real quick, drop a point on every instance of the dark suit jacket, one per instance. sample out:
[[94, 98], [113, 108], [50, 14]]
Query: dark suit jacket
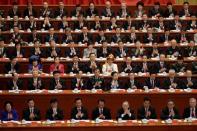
[[150, 86], [11, 13], [120, 85], [74, 112], [48, 52], [91, 82], [158, 67], [125, 117], [104, 13], [167, 13], [120, 12], [31, 27], [8, 67], [141, 24], [62, 26], [74, 82], [74, 13], [19, 84], [125, 69], [55, 38], [70, 68], [163, 38], [26, 12], [41, 55], [32, 87], [81, 38], [184, 83], [146, 40], [32, 38], [182, 12], [100, 52], [96, 113], [118, 53], [22, 52], [141, 113], [165, 114], [99, 39], [4, 53], [167, 83], [53, 84], [115, 39], [87, 66], [153, 12], [26, 114], [136, 83], [58, 13], [49, 12], [58, 116], [68, 52], [186, 112], [89, 13]]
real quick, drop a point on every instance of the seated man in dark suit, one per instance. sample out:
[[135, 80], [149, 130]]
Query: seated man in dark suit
[[115, 83], [96, 81], [31, 113], [128, 66], [161, 66], [14, 11], [53, 51], [186, 11], [51, 36], [189, 81], [144, 66], [132, 83], [170, 111], [64, 24], [173, 50], [156, 10], [160, 25], [191, 50], [170, 11], [37, 50], [30, 11], [149, 37], [91, 11], [123, 12], [192, 25], [194, 67], [54, 112], [16, 36], [35, 82], [45, 11], [171, 81], [132, 38], [18, 51], [125, 112], [101, 36], [79, 112], [85, 37], [92, 64], [78, 82], [104, 51], [117, 37], [61, 11], [176, 24], [12, 67], [179, 66], [108, 12], [31, 24], [101, 112], [144, 24], [67, 37], [56, 82], [121, 51], [191, 110], [46, 24], [152, 82], [34, 37], [97, 24], [75, 66], [166, 37], [80, 23], [3, 49], [77, 11], [71, 51], [147, 111], [15, 83]]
